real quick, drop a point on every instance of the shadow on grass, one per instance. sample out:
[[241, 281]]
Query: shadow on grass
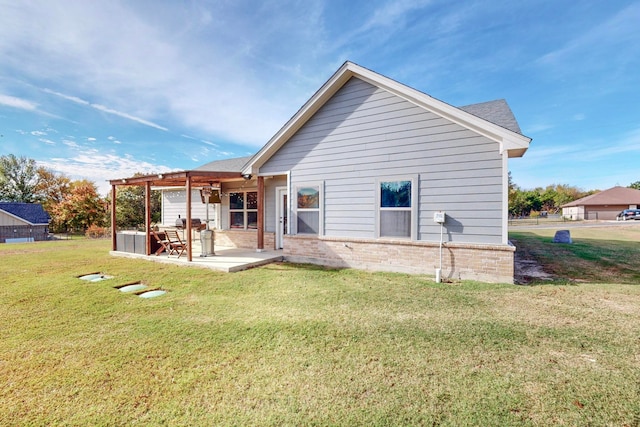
[[583, 261]]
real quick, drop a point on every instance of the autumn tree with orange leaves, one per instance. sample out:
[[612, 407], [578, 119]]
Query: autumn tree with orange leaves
[[80, 208]]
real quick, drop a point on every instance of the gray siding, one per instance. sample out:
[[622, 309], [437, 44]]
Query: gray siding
[[364, 133], [174, 203]]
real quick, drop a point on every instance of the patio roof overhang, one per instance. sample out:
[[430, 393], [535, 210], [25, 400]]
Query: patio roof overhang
[[178, 179]]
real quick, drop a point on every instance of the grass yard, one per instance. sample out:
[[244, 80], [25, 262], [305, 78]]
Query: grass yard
[[597, 255], [300, 345]]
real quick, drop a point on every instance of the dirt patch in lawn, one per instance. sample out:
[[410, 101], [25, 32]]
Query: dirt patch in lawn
[[527, 269]]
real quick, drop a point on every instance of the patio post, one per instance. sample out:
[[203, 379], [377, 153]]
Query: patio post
[[147, 215], [260, 213], [113, 217], [188, 225]]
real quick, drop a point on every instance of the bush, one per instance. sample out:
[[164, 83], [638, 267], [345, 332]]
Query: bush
[[95, 232]]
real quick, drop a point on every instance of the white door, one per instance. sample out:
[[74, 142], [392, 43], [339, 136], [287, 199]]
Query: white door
[[282, 209]]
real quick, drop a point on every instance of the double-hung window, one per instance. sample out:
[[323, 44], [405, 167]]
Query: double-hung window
[[308, 207], [243, 210], [396, 207]]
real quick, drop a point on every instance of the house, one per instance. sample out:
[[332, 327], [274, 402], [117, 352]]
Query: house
[[23, 222], [360, 176], [604, 205]]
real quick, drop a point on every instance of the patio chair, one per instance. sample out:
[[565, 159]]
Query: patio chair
[[175, 242], [164, 244]]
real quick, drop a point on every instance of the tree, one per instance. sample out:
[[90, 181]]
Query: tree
[[51, 188], [18, 179], [635, 185], [550, 199], [80, 208], [130, 206]]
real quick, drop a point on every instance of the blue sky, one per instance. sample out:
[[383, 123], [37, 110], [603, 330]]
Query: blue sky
[[103, 89]]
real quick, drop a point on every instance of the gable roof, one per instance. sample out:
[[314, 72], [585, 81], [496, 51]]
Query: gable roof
[[33, 213], [613, 196], [511, 141]]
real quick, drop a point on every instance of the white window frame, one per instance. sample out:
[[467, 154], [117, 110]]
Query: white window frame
[[293, 202], [245, 211], [415, 202]]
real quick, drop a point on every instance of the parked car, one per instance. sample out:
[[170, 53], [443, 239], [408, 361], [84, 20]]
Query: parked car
[[628, 214]]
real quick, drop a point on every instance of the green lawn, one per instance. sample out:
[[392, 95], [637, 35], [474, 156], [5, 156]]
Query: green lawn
[[299, 345], [597, 255]]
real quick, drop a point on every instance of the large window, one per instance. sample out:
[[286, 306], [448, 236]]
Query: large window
[[395, 208], [243, 210], [308, 209]]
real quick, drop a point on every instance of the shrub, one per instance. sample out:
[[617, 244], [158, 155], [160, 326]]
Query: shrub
[[95, 232]]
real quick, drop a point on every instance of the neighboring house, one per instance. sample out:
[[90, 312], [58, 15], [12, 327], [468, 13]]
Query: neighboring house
[[604, 205], [23, 222], [355, 178]]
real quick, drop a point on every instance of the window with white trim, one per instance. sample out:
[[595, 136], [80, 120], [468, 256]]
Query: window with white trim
[[395, 208], [243, 210], [308, 209]]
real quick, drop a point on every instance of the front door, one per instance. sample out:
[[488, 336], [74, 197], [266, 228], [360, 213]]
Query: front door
[[282, 209]]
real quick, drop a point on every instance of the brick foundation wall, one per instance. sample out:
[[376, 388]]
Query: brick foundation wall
[[487, 263], [246, 239]]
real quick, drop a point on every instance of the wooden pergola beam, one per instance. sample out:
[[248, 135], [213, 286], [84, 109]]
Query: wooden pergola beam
[[177, 179]]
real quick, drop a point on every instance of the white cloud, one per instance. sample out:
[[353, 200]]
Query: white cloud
[[128, 116], [14, 102], [67, 97], [70, 143], [108, 110], [100, 168]]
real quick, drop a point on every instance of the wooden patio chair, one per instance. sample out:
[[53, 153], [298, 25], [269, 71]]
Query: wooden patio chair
[[164, 244], [175, 242]]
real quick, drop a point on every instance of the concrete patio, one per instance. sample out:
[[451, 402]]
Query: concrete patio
[[226, 259]]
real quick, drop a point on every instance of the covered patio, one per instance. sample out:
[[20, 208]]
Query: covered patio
[[224, 258]]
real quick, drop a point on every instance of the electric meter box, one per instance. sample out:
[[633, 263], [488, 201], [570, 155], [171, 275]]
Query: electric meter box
[[439, 217]]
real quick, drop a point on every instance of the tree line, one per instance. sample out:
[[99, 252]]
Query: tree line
[[548, 199], [74, 205]]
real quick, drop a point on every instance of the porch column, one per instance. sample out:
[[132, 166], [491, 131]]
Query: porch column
[[188, 225], [147, 215], [260, 213], [113, 217]]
